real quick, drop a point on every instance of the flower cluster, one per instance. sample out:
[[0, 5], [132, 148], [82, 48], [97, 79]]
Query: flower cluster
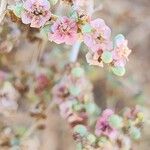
[[134, 119], [103, 126], [76, 105], [73, 95], [109, 132], [78, 27]]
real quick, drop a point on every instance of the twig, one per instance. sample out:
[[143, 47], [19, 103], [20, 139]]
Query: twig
[[34, 126], [3, 6]]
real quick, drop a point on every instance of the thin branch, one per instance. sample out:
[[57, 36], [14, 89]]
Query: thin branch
[[3, 6]]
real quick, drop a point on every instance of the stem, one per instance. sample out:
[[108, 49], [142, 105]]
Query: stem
[[75, 51], [90, 8], [3, 6], [76, 46]]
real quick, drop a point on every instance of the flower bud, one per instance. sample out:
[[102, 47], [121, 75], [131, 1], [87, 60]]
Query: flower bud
[[135, 133], [75, 91], [91, 138], [140, 116], [119, 71], [107, 57], [115, 121], [80, 129], [86, 28], [102, 141], [77, 72]]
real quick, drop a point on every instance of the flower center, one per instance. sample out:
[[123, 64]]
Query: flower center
[[124, 52], [100, 39], [37, 12], [105, 127], [64, 28], [63, 92]]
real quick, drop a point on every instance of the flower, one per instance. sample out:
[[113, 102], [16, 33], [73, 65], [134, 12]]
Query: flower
[[71, 116], [103, 127], [36, 12], [99, 38], [60, 92], [42, 82], [121, 51], [132, 113], [94, 58], [8, 98], [64, 30]]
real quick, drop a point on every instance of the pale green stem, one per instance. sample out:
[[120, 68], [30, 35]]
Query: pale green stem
[[76, 47]]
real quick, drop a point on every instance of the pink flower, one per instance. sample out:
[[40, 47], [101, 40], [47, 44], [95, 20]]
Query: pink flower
[[99, 38], [132, 113], [72, 117], [42, 82], [121, 51], [36, 12], [75, 119], [103, 127], [94, 58], [64, 30], [60, 92]]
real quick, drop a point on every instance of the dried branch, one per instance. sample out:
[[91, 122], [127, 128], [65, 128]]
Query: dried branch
[[3, 6]]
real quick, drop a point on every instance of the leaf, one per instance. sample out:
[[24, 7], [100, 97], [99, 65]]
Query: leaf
[[80, 129], [90, 108], [135, 133], [74, 15], [17, 9], [115, 121], [78, 107], [53, 2], [86, 28], [79, 146], [45, 30], [118, 39], [119, 71], [77, 72], [107, 57], [91, 138], [75, 91]]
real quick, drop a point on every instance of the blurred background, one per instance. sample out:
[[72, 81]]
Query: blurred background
[[129, 17]]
